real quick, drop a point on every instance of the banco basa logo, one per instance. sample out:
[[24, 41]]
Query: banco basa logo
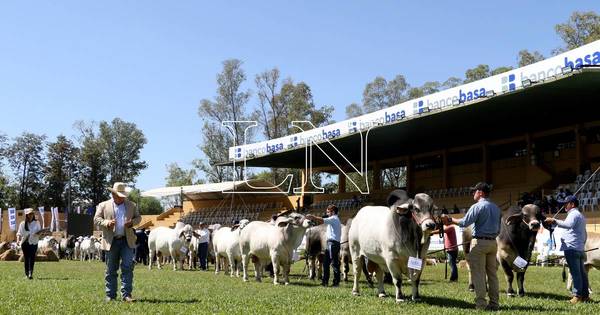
[[508, 83]]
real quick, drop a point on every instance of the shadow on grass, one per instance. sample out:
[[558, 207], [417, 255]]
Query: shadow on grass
[[454, 303], [545, 295], [163, 301], [56, 278]]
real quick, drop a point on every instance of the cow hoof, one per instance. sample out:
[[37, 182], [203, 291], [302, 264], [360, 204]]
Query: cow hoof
[[416, 299], [510, 294], [287, 283], [382, 295], [521, 294], [400, 300], [355, 293], [276, 283]]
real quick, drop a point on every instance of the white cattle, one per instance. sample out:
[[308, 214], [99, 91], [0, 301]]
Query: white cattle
[[388, 236], [77, 248], [226, 246], [48, 243], [88, 250], [193, 251], [170, 242], [264, 243]]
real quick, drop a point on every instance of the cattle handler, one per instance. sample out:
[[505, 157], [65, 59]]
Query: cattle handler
[[573, 244], [485, 217], [332, 252]]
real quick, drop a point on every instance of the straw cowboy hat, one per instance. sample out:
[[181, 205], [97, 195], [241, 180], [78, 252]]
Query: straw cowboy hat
[[28, 211], [120, 189]]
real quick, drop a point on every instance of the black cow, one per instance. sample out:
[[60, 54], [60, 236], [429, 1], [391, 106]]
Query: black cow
[[66, 247], [142, 250], [518, 231]]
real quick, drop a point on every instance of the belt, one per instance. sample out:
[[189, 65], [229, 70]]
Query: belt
[[484, 238], [332, 241], [118, 237]]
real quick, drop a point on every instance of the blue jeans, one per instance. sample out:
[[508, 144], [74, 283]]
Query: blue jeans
[[119, 253], [203, 255], [575, 260], [452, 255], [332, 258]]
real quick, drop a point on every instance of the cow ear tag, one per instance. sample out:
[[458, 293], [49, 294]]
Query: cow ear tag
[[415, 263], [184, 249], [520, 262]]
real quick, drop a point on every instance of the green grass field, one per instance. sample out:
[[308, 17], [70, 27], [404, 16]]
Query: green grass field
[[78, 287]]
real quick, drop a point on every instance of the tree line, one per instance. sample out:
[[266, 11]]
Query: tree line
[[70, 172], [279, 100]]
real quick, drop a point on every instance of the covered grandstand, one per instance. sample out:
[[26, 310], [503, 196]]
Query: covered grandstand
[[531, 129]]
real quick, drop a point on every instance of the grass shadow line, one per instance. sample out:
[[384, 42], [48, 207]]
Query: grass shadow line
[[165, 301]]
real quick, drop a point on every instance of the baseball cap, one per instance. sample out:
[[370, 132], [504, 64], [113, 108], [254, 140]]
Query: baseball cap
[[571, 198]]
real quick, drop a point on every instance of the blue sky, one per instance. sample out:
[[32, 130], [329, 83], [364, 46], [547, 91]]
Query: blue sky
[[152, 62]]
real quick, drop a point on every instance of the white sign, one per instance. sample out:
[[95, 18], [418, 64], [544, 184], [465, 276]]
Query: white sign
[[520, 262], [41, 210], [12, 218], [505, 82], [415, 263], [184, 250]]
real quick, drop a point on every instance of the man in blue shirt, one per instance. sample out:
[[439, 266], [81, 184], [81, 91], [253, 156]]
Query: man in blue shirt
[[332, 252], [485, 217], [573, 245]]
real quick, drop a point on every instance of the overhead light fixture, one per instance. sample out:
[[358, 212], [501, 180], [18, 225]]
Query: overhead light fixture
[[424, 110], [526, 83], [490, 93], [566, 70]]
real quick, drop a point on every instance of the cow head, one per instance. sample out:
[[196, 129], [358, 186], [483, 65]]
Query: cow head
[[186, 233], [423, 207], [529, 215]]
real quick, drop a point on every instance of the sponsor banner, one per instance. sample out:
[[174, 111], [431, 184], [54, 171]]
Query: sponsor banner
[[12, 218], [505, 82], [54, 222], [41, 210]]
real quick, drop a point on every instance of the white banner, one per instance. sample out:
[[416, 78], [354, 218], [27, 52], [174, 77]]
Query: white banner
[[505, 82], [78, 210], [54, 222], [12, 218], [41, 210]]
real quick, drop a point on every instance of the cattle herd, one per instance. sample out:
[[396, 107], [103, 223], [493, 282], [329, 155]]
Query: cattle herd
[[379, 240]]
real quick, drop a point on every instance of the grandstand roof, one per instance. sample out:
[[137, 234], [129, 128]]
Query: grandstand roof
[[555, 102], [211, 190]]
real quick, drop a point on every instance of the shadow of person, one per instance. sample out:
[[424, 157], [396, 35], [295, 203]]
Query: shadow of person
[[166, 301]]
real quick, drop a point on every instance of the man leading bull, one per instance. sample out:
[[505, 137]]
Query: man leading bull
[[573, 244], [485, 217], [332, 252]]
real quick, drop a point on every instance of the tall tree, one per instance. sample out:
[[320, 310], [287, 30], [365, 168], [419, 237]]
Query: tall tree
[[477, 73], [431, 87], [123, 143], [500, 70], [581, 28], [526, 58], [26, 158], [228, 105], [93, 163], [62, 172], [452, 82], [215, 146], [380, 93], [353, 110], [177, 176]]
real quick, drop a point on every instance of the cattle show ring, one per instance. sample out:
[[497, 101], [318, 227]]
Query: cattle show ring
[[527, 140]]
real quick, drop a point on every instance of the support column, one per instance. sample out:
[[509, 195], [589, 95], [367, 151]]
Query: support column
[[579, 154], [376, 176], [341, 182], [486, 163], [445, 172], [410, 182], [529, 147]]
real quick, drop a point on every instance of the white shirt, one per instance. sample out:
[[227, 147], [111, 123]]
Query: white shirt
[[334, 228], [204, 236], [34, 226], [120, 219]]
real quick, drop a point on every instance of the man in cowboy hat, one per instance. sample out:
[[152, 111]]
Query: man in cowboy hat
[[116, 218]]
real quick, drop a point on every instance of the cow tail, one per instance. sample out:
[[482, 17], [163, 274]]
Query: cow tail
[[564, 272]]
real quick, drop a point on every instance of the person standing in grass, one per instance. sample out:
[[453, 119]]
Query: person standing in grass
[[28, 236], [203, 246], [116, 218], [573, 246], [485, 217], [332, 251]]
